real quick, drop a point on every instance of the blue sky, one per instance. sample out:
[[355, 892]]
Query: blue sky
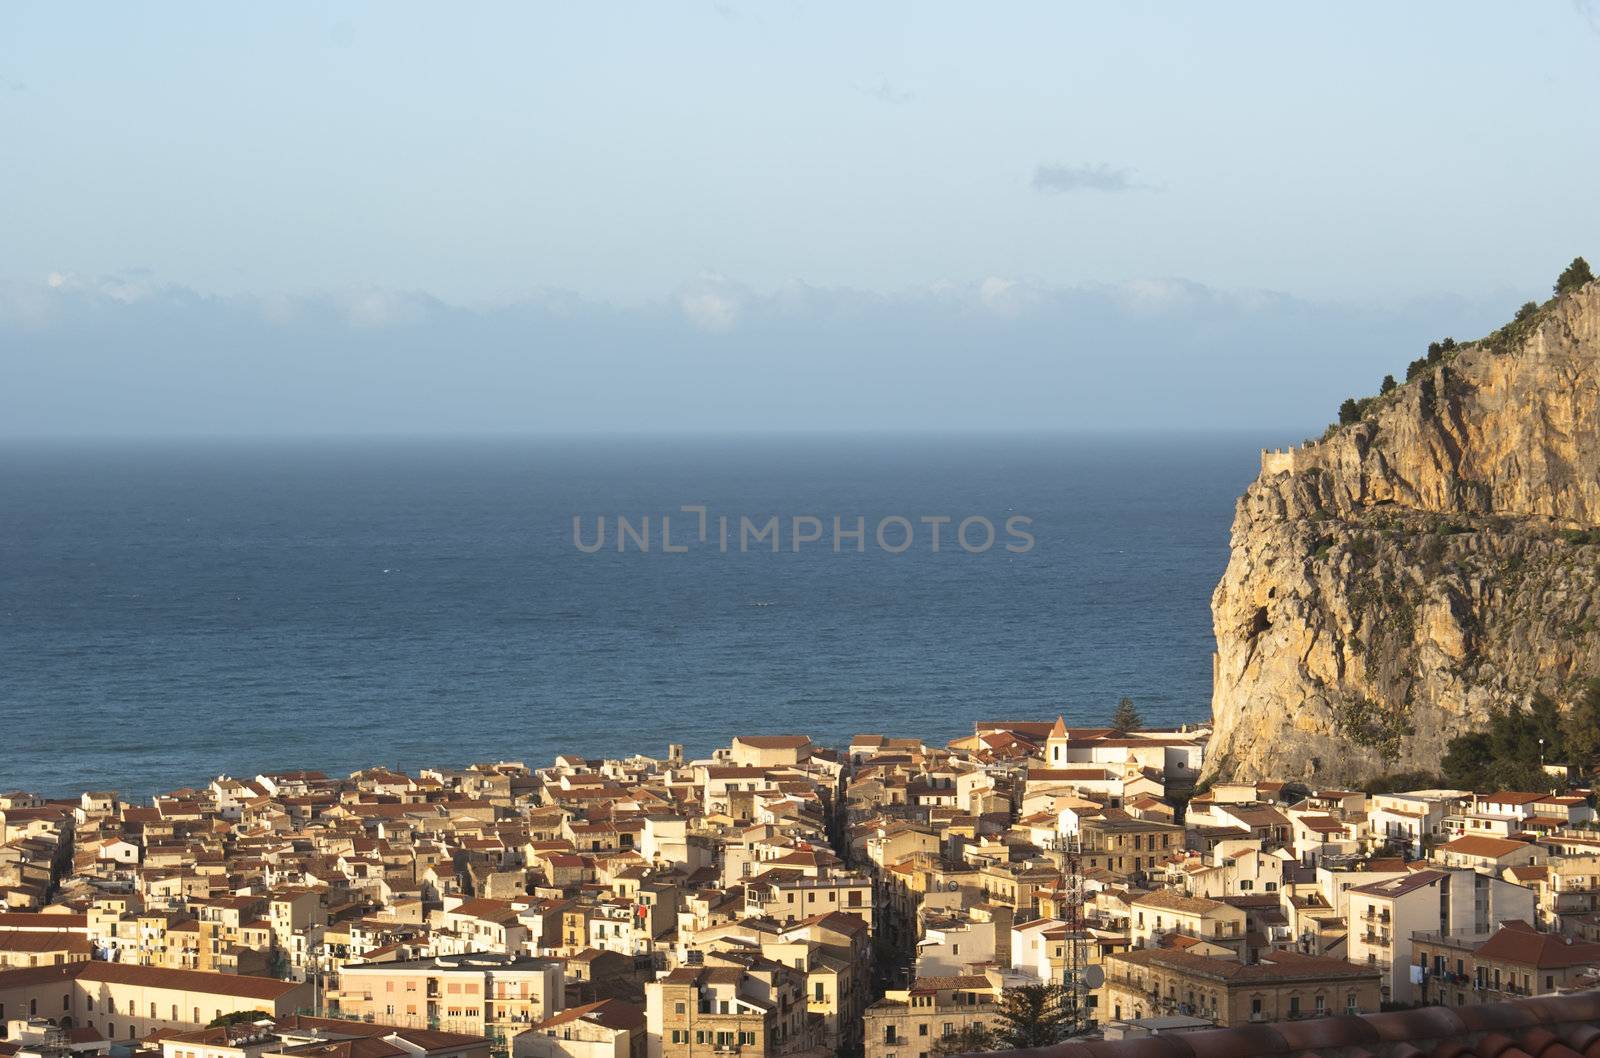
[[798, 215]]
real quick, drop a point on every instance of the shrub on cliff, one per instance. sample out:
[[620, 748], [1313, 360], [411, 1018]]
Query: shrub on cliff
[[1576, 275]]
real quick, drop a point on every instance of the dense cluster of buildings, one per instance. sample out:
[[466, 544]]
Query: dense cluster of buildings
[[777, 898]]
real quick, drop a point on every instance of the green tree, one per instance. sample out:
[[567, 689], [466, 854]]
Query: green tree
[[973, 1039], [1349, 412], [1126, 718], [1033, 1016], [1576, 275], [1527, 310], [236, 1017], [1580, 728], [1387, 385], [1416, 367], [1509, 752]]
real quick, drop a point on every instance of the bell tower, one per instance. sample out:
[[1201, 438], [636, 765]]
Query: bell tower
[[1055, 747]]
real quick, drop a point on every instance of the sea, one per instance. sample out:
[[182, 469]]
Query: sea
[[175, 610]]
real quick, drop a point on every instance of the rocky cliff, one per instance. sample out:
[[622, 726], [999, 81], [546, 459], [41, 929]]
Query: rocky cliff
[[1394, 582]]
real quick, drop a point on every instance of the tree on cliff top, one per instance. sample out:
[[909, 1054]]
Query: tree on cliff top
[[1126, 718], [1576, 275]]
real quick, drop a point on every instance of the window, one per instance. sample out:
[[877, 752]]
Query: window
[[1255, 1006], [1294, 1006], [922, 1030], [1350, 1003]]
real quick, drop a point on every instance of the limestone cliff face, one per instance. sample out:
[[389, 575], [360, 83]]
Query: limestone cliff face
[[1391, 584]]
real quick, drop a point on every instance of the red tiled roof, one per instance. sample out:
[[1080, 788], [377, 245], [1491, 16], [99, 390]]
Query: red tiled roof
[[1523, 945], [773, 741], [1478, 845]]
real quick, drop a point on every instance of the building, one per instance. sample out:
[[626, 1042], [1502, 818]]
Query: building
[[607, 1028], [1281, 986], [307, 1037], [482, 994], [757, 1010], [1384, 916], [905, 1023], [1166, 911], [1544, 1028], [1481, 853], [1515, 960], [123, 1001]]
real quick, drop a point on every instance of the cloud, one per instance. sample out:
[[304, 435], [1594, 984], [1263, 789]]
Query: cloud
[[712, 303], [378, 308], [128, 355], [1059, 179], [1009, 297], [883, 91]]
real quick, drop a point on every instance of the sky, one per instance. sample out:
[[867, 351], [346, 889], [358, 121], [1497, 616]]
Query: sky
[[423, 218]]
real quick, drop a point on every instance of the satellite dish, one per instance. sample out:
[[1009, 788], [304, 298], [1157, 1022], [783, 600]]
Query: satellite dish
[[1094, 976]]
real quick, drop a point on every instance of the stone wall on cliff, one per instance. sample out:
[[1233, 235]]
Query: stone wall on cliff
[[1390, 585]]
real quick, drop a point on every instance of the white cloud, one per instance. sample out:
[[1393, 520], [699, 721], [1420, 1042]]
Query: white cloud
[[1096, 176], [713, 303], [1008, 297], [385, 308]]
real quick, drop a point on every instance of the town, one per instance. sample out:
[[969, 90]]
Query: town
[[887, 899]]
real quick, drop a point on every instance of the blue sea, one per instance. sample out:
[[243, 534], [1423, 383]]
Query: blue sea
[[170, 611]]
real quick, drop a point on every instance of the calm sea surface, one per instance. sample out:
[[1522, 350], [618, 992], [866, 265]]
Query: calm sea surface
[[171, 611]]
